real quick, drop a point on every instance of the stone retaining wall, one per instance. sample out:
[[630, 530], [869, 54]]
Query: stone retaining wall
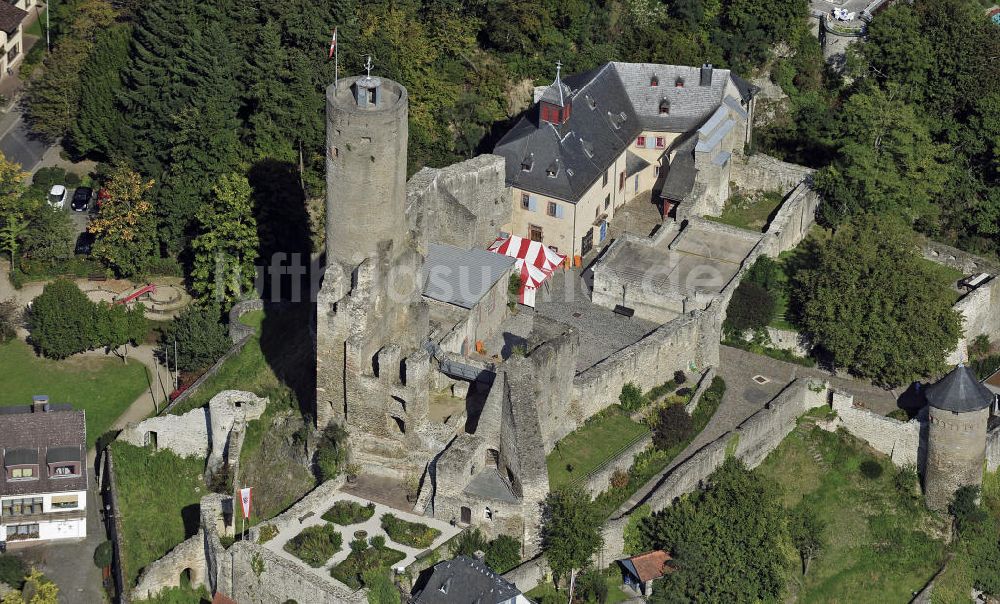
[[957, 259], [760, 172], [980, 312], [238, 331], [703, 384], [897, 439], [599, 479], [789, 339], [993, 450]]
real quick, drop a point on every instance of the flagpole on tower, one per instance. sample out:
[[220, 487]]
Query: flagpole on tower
[[335, 52]]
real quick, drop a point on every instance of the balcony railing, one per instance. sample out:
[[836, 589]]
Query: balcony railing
[[53, 516]]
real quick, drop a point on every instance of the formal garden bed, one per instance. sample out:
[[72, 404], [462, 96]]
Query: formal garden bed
[[364, 558], [345, 512], [412, 534], [315, 544]]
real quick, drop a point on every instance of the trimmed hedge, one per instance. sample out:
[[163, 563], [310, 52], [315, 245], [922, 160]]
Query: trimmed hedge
[[413, 534], [346, 512], [315, 544]]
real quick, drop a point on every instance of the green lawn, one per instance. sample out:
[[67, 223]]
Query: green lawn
[[589, 446], [752, 213], [879, 546], [159, 493], [103, 387], [545, 593], [37, 27], [254, 319]]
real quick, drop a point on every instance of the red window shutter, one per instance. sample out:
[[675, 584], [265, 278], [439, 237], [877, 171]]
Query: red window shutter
[[640, 141]]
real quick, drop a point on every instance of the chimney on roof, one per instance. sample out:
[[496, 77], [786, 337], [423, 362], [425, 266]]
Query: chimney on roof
[[479, 555], [39, 403], [706, 74]]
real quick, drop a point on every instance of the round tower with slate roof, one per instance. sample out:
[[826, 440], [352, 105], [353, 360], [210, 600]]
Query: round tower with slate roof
[[958, 412]]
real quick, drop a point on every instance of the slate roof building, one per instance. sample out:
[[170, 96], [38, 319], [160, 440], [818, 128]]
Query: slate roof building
[[43, 490], [12, 15], [465, 580], [595, 140]]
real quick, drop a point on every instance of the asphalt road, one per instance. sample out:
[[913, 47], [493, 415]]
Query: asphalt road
[[18, 145]]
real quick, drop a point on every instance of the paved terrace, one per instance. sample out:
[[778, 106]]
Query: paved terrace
[[291, 523], [745, 396]]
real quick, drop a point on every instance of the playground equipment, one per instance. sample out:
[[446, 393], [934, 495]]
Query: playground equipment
[[145, 290]]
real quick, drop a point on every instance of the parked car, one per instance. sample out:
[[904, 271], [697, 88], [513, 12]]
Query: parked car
[[81, 199], [84, 243], [57, 196]]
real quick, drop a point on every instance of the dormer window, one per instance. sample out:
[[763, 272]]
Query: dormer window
[[664, 106], [527, 162], [445, 586], [591, 102], [654, 81], [679, 83], [553, 170], [588, 148]]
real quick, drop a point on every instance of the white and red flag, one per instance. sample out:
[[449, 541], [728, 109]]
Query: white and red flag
[[333, 44], [245, 497]]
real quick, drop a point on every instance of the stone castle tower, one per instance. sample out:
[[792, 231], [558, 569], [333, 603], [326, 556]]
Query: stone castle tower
[[371, 367], [958, 412]]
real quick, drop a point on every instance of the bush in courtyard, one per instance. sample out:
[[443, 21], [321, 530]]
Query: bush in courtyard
[[899, 414], [751, 307], [315, 544], [679, 377], [673, 426], [870, 469], [414, 534], [979, 347], [503, 553], [631, 398], [331, 452], [377, 541], [468, 543], [267, 532], [201, 338], [349, 512], [351, 572], [10, 319], [63, 320]]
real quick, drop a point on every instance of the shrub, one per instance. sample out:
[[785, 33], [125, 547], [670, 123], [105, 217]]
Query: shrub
[[267, 532], [632, 533], [377, 541], [899, 414], [315, 544], [103, 554], [351, 571], [631, 398], [679, 377], [72, 179], [591, 587], [349, 512], [468, 543], [10, 319], [751, 307], [619, 479], [979, 347], [358, 545], [63, 320], [201, 338], [12, 570], [331, 452], [673, 426], [46, 177], [381, 589], [870, 469], [503, 553], [413, 534], [658, 391]]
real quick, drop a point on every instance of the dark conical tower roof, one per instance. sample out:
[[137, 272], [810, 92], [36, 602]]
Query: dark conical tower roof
[[959, 391]]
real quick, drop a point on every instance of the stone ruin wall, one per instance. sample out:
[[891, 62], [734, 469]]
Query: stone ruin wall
[[901, 441], [980, 312], [993, 450], [760, 172], [465, 204]]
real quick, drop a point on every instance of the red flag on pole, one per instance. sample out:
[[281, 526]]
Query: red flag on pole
[[333, 44], [245, 501]]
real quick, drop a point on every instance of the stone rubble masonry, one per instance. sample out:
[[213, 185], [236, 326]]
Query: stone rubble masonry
[[788, 339], [751, 441], [980, 312], [465, 204], [214, 431], [993, 450], [599, 479], [956, 453], [957, 259], [760, 172], [238, 331], [897, 439], [703, 383]]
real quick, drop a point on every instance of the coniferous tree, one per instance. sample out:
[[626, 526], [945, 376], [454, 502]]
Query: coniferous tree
[[96, 129]]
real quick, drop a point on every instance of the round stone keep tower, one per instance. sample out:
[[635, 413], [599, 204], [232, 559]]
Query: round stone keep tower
[[366, 134], [958, 411]]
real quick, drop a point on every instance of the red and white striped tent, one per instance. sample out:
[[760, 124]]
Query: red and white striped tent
[[535, 263]]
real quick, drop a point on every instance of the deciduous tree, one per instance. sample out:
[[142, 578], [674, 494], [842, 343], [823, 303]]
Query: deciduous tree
[[871, 304], [124, 227], [226, 248], [62, 320], [200, 338], [571, 527]]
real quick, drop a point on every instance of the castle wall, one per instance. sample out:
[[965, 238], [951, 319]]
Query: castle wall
[[465, 204], [599, 480], [980, 312], [993, 450], [760, 172], [482, 321], [956, 452], [899, 440]]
